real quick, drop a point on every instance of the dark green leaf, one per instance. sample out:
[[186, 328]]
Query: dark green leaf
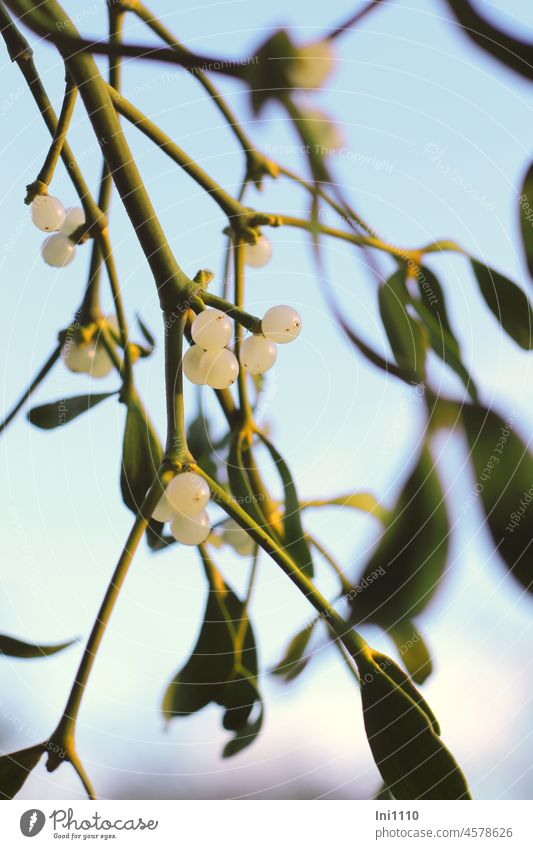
[[267, 75], [432, 310], [504, 484], [239, 481], [244, 736], [514, 53], [413, 650], [214, 673], [526, 217], [294, 540], [409, 561], [141, 456], [15, 768], [293, 661], [412, 760], [16, 648], [63, 411], [507, 302], [202, 446], [404, 333]]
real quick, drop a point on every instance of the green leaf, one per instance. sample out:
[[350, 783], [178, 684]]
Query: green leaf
[[16, 648], [245, 735], [413, 650], [432, 310], [409, 561], [202, 446], [214, 672], [64, 410], [267, 75], [412, 760], [363, 501], [293, 661], [404, 333], [508, 303], [294, 540], [526, 217], [503, 468], [15, 768], [239, 481], [141, 456]]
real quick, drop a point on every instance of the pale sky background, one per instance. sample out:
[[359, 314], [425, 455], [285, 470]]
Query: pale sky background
[[407, 79]]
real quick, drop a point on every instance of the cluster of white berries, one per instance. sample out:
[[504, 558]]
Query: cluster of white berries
[[209, 362], [183, 504], [49, 215]]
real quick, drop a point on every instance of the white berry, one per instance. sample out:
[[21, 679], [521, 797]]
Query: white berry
[[74, 218], [47, 213], [313, 65], [163, 511], [211, 330], [281, 324], [187, 494], [192, 368], [86, 359], [221, 368], [259, 254], [258, 354], [191, 531], [58, 251], [101, 363], [237, 538]]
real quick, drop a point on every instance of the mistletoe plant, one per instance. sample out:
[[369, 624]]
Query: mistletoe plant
[[175, 484]]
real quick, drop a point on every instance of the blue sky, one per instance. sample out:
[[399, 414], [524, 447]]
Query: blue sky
[[437, 141]]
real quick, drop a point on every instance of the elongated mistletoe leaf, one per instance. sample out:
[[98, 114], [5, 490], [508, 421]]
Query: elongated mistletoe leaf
[[508, 303], [141, 456], [413, 761], [219, 670], [405, 334], [503, 467], [526, 217], [431, 307], [64, 410], [413, 650], [294, 540], [15, 768], [294, 661], [17, 648], [409, 561]]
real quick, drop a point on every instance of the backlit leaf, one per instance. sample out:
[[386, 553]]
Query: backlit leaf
[[412, 760], [64, 410], [15, 768], [141, 456], [294, 661], [294, 540], [404, 333], [508, 303], [413, 650], [17, 648], [526, 217], [409, 560], [503, 468]]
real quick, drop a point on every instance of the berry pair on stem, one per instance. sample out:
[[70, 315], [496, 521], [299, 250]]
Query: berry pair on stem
[[49, 215], [183, 504]]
